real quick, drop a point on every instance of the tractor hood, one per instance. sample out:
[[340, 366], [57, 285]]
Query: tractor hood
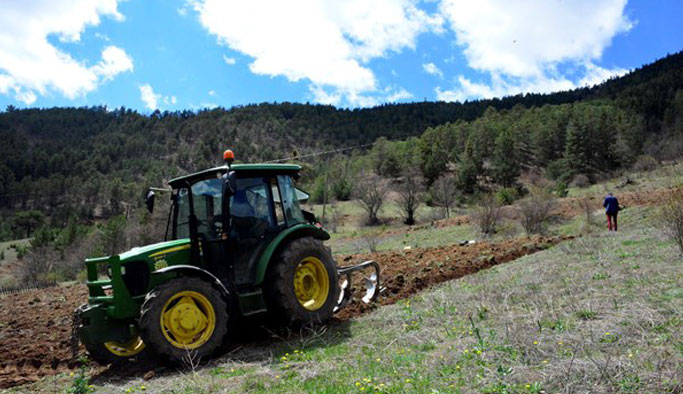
[[156, 251]]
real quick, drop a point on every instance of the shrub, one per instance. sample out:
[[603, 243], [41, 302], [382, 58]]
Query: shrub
[[487, 215], [341, 190], [561, 189], [645, 163], [535, 212], [371, 242], [36, 265], [318, 190], [581, 180], [671, 215], [587, 207], [507, 195], [21, 250]]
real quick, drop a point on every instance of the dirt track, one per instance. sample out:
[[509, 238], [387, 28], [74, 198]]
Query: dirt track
[[36, 326]]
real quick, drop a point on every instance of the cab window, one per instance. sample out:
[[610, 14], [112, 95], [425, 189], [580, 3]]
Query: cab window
[[250, 211], [207, 197], [290, 200], [277, 202]]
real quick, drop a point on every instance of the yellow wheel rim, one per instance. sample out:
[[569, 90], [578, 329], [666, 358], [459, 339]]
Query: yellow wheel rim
[[311, 283], [128, 349], [188, 320]]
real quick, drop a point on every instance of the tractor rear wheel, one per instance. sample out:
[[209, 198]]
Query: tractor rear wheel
[[185, 317], [302, 284], [115, 352]]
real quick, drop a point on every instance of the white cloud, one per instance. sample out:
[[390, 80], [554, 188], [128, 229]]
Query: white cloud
[[31, 65], [153, 100], [336, 96], [501, 86], [399, 95], [148, 97], [229, 60], [212, 93], [114, 61], [432, 69], [325, 42], [520, 44], [522, 38]]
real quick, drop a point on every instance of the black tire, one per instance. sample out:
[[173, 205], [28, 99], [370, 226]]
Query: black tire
[[159, 340], [279, 285], [103, 356]]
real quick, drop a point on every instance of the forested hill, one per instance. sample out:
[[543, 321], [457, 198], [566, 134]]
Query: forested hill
[[87, 156]]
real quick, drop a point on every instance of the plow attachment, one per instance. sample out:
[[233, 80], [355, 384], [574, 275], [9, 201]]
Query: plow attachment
[[370, 279]]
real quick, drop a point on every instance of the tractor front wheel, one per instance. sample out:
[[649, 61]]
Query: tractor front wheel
[[302, 285], [184, 318], [116, 352]]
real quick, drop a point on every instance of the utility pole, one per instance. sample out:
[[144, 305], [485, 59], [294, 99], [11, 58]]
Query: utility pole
[[327, 175]]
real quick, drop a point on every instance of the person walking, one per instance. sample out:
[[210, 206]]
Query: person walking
[[611, 205]]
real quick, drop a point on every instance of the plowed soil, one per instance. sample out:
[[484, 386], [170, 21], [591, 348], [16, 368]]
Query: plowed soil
[[35, 327], [407, 272]]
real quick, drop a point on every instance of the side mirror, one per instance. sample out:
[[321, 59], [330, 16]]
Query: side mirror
[[149, 200]]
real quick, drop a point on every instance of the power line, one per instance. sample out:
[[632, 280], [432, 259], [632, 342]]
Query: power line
[[333, 151], [318, 153]]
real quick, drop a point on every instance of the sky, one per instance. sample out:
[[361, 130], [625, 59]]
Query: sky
[[197, 54]]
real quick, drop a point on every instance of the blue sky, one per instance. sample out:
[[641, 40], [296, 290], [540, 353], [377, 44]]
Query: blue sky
[[180, 54]]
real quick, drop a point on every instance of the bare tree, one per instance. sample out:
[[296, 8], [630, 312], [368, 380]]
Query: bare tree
[[36, 265], [445, 192], [587, 206], [409, 194], [371, 191], [487, 214], [536, 211]]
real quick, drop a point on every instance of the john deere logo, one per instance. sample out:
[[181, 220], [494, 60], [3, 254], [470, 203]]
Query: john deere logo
[[161, 263]]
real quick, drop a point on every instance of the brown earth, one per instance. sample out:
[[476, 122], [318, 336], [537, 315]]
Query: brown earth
[[35, 327]]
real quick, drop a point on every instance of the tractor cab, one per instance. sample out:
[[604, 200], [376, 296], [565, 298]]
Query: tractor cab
[[232, 214]]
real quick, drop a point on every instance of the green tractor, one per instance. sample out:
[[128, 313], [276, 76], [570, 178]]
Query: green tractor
[[237, 244]]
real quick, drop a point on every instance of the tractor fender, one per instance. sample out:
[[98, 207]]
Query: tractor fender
[[298, 231], [191, 270]]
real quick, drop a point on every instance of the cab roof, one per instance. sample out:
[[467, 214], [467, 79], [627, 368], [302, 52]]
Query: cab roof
[[240, 169]]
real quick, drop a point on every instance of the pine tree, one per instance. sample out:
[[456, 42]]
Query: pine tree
[[506, 166], [469, 169], [576, 149]]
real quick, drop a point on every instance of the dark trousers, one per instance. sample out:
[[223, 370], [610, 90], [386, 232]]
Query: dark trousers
[[612, 221]]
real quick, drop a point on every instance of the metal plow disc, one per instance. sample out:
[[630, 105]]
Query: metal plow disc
[[370, 279]]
